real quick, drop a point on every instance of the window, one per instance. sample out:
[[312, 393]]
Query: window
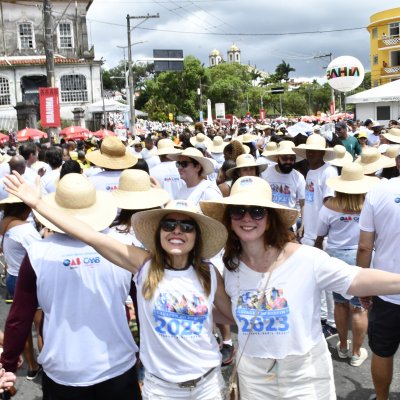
[[394, 29], [230, 57], [73, 88], [25, 34], [374, 33], [65, 35], [382, 113], [375, 59], [394, 58], [4, 92], [237, 57], [375, 83]]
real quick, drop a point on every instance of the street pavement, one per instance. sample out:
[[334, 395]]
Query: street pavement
[[352, 383]]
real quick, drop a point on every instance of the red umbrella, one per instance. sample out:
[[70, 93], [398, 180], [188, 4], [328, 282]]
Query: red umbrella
[[102, 133], [30, 133], [74, 132], [4, 138]]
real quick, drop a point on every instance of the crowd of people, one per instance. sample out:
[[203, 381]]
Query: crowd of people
[[284, 234]]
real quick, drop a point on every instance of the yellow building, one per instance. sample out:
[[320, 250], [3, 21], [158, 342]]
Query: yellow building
[[384, 30]]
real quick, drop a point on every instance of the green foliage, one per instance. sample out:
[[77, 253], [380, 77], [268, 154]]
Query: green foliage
[[283, 70]]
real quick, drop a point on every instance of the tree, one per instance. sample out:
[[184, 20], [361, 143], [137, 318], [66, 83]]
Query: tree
[[283, 70]]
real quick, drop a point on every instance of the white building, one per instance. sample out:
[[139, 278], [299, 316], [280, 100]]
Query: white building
[[23, 62], [233, 56]]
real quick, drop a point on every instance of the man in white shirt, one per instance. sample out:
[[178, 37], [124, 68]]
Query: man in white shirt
[[53, 157], [30, 152]]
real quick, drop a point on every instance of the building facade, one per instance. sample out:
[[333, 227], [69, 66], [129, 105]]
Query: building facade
[[384, 30], [23, 61]]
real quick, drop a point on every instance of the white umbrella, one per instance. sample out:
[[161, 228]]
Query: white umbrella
[[301, 127]]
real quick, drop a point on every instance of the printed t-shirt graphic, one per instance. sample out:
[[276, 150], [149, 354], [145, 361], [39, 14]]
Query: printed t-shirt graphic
[[309, 191], [281, 193], [272, 317], [177, 314]]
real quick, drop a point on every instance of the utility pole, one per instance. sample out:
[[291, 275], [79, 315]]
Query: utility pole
[[332, 90], [48, 43], [130, 77]]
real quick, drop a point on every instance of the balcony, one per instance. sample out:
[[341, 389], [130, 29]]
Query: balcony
[[391, 42], [395, 70]]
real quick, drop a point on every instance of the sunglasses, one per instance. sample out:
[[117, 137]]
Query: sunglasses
[[183, 164], [169, 225], [238, 212], [288, 158]]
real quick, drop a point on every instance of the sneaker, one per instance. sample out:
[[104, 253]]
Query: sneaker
[[227, 352], [329, 331], [343, 353], [219, 341], [33, 374], [8, 299], [356, 361]]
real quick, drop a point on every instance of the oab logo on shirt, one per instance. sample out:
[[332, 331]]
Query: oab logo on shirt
[[86, 260]]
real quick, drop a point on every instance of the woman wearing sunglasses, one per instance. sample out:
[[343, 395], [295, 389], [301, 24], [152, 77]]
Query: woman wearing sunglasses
[[176, 289], [274, 285]]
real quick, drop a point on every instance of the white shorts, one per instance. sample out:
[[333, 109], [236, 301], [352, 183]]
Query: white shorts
[[212, 387], [306, 377]]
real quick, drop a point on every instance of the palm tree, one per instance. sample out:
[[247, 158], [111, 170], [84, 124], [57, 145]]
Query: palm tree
[[283, 70]]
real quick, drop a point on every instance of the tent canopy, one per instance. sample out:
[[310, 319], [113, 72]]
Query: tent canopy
[[388, 92], [109, 105]]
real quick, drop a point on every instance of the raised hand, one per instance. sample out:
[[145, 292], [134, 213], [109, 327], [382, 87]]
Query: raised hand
[[7, 380]]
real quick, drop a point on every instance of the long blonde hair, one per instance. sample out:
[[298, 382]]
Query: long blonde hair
[[347, 202], [160, 260]]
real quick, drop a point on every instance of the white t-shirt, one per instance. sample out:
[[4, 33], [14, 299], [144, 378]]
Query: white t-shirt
[[342, 229], [288, 322], [16, 240], [373, 140], [316, 191], [176, 326], [106, 180], [287, 189], [167, 174], [49, 180], [205, 190], [381, 214], [85, 331], [30, 175]]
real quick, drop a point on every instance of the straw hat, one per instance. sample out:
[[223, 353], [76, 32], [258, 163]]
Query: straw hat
[[133, 141], [249, 191], [135, 192], [76, 196], [371, 160], [201, 138], [270, 148], [218, 145], [376, 125], [166, 146], [10, 199], [390, 155], [112, 155], [191, 152], [146, 223], [243, 161], [352, 180], [343, 157], [285, 147], [315, 142], [4, 158], [246, 138], [393, 134], [246, 148]]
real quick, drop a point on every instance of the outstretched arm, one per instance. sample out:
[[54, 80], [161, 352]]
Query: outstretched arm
[[126, 256]]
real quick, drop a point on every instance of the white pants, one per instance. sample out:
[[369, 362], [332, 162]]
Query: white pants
[[212, 387], [305, 377]]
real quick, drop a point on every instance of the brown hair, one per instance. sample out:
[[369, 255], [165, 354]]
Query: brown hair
[[233, 150], [347, 202], [160, 260], [276, 235]]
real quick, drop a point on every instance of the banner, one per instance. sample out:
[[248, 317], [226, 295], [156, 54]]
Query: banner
[[262, 113], [49, 107], [220, 110]]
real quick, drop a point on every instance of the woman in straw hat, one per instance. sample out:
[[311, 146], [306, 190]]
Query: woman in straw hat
[[177, 290], [245, 166], [17, 234], [338, 220], [274, 285]]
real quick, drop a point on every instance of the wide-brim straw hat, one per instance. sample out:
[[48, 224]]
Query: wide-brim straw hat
[[201, 138], [269, 149], [285, 148], [246, 138], [244, 161], [133, 141], [191, 152], [217, 145], [77, 197], [392, 135], [10, 199], [213, 233], [371, 160], [391, 153], [112, 155], [249, 191], [342, 158], [135, 192], [352, 180], [315, 142], [165, 147], [4, 158]]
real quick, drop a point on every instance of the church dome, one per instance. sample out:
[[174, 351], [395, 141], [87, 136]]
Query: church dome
[[234, 48], [215, 53]]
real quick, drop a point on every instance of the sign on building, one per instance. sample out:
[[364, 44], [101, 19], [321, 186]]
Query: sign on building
[[220, 110], [49, 107]]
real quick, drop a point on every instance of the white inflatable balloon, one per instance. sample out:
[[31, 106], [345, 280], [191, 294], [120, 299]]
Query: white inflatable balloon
[[345, 73]]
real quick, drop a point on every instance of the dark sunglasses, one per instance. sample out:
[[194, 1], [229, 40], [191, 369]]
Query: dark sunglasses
[[288, 158], [183, 164], [169, 225], [238, 212]]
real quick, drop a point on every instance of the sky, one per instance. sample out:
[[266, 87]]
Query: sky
[[267, 32]]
